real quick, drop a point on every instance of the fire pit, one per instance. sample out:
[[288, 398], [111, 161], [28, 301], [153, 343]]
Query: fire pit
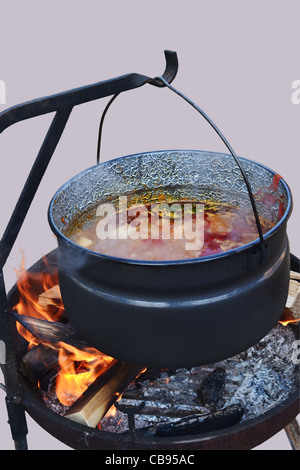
[[234, 404]]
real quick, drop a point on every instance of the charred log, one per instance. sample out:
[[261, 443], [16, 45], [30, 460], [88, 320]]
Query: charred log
[[197, 424], [49, 332], [40, 365], [162, 409], [151, 374]]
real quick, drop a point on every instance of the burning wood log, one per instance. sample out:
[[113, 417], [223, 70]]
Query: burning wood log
[[49, 332], [40, 365], [90, 408], [292, 310], [50, 297], [294, 275], [293, 301]]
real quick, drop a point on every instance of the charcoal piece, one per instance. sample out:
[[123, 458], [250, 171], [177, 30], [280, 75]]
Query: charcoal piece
[[150, 374], [211, 390], [200, 424], [153, 374]]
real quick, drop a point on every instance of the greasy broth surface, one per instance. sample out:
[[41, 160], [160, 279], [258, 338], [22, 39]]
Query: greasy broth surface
[[225, 228]]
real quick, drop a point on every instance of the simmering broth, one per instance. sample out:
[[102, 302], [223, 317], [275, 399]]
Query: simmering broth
[[173, 231]]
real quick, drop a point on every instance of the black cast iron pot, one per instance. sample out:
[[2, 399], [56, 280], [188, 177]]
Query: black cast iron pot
[[174, 313]]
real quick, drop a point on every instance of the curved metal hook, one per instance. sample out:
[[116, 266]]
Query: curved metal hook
[[170, 70]]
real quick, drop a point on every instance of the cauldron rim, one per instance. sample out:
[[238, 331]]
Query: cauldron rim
[[254, 245]]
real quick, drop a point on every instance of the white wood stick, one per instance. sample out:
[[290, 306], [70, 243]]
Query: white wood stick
[[90, 408], [294, 275], [51, 296]]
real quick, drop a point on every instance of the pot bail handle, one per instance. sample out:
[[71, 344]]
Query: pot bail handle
[[227, 144], [163, 82], [168, 76]]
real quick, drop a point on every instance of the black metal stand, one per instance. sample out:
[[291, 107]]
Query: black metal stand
[[293, 433], [62, 104]]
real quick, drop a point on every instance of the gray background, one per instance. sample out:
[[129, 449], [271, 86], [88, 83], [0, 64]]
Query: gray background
[[237, 60]]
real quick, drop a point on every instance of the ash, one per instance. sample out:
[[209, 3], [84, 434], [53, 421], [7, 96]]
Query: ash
[[265, 375], [258, 379]]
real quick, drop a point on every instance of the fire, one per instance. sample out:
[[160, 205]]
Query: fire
[[288, 319], [112, 411], [30, 285], [77, 368], [288, 322], [291, 313]]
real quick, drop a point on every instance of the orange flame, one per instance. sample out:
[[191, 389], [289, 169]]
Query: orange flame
[[288, 322], [30, 286], [288, 318], [112, 411], [77, 368]]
